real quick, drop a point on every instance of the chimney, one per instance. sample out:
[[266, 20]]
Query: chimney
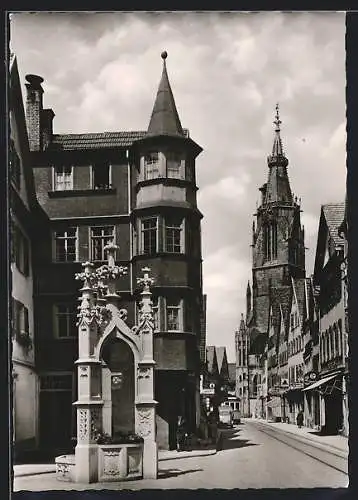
[[46, 127], [34, 110]]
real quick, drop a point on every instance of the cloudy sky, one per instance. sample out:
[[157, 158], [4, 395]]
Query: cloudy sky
[[227, 72]]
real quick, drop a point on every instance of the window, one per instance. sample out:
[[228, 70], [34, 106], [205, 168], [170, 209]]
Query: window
[[20, 318], [100, 237], [270, 241], [149, 235], [101, 176], [174, 162], [21, 250], [173, 234], [66, 245], [174, 312], [15, 166], [151, 165], [65, 316], [63, 178], [244, 376]]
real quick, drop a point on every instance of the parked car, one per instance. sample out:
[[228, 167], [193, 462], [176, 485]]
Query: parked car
[[226, 416]]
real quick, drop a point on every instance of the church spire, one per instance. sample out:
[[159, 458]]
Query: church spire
[[277, 157], [165, 119]]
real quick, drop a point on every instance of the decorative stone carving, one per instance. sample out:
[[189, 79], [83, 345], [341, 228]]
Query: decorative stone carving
[[144, 422], [146, 323], [95, 422], [123, 314], [143, 372], [83, 371], [83, 424], [111, 466]]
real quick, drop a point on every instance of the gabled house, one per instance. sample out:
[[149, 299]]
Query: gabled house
[[332, 332], [295, 346], [311, 356]]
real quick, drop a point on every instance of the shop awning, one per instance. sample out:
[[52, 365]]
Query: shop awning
[[320, 382]]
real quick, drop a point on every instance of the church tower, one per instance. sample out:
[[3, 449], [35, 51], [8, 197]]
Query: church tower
[[278, 249]]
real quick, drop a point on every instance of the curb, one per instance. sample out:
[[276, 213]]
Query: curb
[[305, 439], [34, 473], [189, 454]]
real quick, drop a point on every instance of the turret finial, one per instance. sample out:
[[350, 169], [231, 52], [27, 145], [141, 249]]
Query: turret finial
[[164, 55], [277, 120]]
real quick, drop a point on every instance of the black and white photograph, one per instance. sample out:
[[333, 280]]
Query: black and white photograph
[[178, 250]]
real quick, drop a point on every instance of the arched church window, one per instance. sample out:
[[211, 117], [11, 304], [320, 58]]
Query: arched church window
[[270, 240]]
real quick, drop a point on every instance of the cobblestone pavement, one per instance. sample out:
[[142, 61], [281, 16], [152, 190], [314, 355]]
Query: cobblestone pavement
[[249, 459]]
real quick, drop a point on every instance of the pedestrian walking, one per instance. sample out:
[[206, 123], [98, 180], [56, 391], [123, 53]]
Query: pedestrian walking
[[181, 434], [299, 419]]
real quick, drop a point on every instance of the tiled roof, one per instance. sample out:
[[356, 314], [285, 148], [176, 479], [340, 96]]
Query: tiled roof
[[68, 142], [220, 353], [210, 357], [334, 215], [100, 140]]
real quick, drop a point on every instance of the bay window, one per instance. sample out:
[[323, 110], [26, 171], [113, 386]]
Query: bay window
[[174, 235], [151, 165], [149, 235], [174, 165], [174, 315]]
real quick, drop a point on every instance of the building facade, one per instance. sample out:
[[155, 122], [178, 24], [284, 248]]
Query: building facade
[[27, 221], [137, 189]]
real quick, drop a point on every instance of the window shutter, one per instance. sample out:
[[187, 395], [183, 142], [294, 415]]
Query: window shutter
[[14, 318], [26, 256], [12, 242], [26, 320]]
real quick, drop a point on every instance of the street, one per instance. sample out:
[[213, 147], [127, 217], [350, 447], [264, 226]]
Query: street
[[252, 455]]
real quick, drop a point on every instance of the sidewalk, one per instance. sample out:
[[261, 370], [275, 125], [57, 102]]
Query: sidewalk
[[22, 470], [338, 443]]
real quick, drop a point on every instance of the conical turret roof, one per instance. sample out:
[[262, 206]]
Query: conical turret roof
[[165, 119], [277, 188]]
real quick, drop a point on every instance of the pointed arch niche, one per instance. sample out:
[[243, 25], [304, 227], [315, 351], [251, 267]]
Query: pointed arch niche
[[118, 367]]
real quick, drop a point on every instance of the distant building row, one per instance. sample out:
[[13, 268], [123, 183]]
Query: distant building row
[[292, 347]]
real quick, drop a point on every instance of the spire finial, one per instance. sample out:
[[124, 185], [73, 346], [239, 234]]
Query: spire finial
[[164, 55], [277, 120]]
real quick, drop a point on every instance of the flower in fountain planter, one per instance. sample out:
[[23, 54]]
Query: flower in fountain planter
[[118, 438]]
